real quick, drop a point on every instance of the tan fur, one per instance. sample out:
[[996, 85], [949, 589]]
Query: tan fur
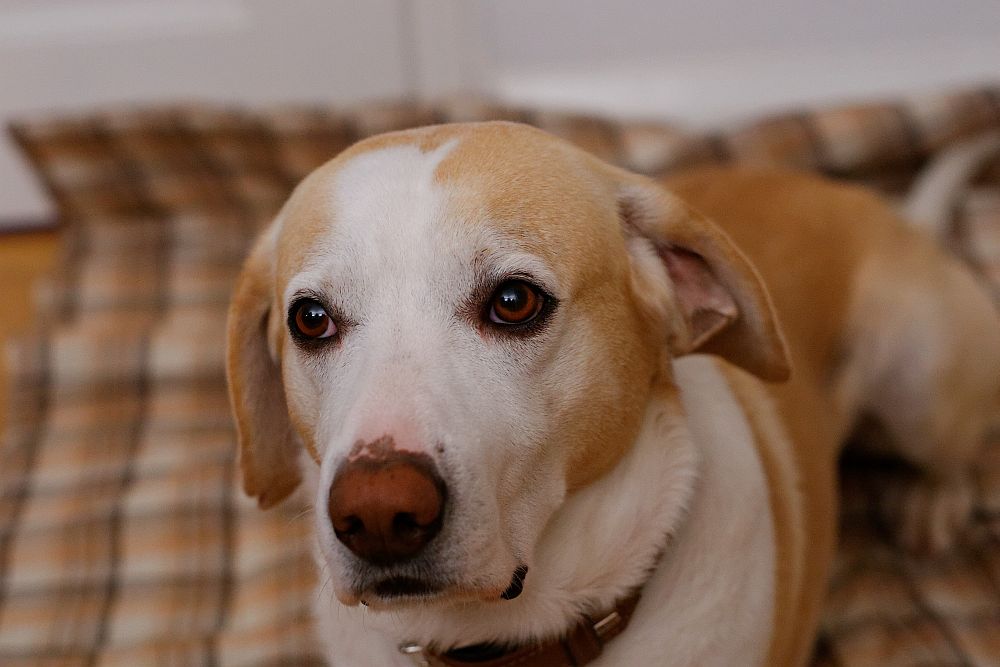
[[491, 170], [808, 239], [787, 275], [789, 645], [839, 266], [267, 446]]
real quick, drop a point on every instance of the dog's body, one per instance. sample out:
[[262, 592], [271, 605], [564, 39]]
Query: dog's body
[[580, 444], [881, 325]]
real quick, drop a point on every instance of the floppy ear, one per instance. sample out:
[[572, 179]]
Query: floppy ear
[[267, 442], [723, 306]]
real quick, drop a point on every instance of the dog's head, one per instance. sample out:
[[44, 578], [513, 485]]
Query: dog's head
[[461, 325]]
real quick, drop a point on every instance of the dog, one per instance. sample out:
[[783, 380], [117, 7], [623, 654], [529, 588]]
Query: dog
[[550, 412]]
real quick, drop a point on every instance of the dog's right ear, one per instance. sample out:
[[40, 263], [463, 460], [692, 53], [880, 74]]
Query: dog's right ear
[[719, 303], [267, 442]]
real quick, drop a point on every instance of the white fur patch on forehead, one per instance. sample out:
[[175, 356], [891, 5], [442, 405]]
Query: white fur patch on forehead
[[387, 169], [382, 204], [394, 237], [385, 203], [400, 234]]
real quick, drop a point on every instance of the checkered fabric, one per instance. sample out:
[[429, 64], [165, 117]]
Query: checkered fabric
[[124, 539]]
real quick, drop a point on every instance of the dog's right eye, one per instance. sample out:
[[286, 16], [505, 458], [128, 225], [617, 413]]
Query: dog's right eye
[[515, 302], [310, 320]]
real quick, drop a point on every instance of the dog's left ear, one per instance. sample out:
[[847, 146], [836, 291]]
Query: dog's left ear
[[721, 304]]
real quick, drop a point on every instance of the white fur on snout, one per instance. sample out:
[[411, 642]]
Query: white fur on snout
[[411, 364]]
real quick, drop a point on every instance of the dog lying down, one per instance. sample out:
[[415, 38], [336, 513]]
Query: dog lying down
[[472, 347]]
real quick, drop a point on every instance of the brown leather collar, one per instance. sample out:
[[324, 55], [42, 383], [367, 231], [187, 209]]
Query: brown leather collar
[[581, 645]]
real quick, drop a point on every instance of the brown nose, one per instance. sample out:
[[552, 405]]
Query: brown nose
[[386, 510]]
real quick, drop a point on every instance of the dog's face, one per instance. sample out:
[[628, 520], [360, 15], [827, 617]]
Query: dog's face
[[461, 325]]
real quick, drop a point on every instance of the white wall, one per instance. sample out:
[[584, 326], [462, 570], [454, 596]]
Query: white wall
[[703, 62], [79, 54], [715, 61]]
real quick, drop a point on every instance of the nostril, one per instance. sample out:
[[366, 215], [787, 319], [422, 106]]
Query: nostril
[[404, 523], [407, 529], [348, 525]]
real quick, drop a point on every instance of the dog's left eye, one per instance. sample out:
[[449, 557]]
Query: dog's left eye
[[310, 320], [515, 302]]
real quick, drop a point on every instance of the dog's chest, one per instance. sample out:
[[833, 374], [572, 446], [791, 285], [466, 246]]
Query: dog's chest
[[711, 601]]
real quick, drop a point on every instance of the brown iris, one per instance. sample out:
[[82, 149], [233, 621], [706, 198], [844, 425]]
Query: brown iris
[[312, 321], [515, 302]]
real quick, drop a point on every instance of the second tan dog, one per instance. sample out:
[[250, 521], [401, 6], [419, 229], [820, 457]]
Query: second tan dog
[[474, 344]]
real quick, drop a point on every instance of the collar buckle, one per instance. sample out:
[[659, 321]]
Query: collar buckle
[[608, 625]]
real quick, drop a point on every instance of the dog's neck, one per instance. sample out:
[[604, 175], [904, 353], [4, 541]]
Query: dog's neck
[[597, 548]]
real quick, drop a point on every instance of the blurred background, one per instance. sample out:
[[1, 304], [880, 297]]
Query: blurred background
[[706, 63], [163, 134]]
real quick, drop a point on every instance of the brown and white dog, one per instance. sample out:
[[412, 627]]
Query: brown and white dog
[[473, 344]]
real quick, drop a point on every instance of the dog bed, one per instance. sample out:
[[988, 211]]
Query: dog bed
[[124, 538]]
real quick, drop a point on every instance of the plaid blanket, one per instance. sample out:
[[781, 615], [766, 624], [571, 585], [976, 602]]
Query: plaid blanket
[[124, 538]]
